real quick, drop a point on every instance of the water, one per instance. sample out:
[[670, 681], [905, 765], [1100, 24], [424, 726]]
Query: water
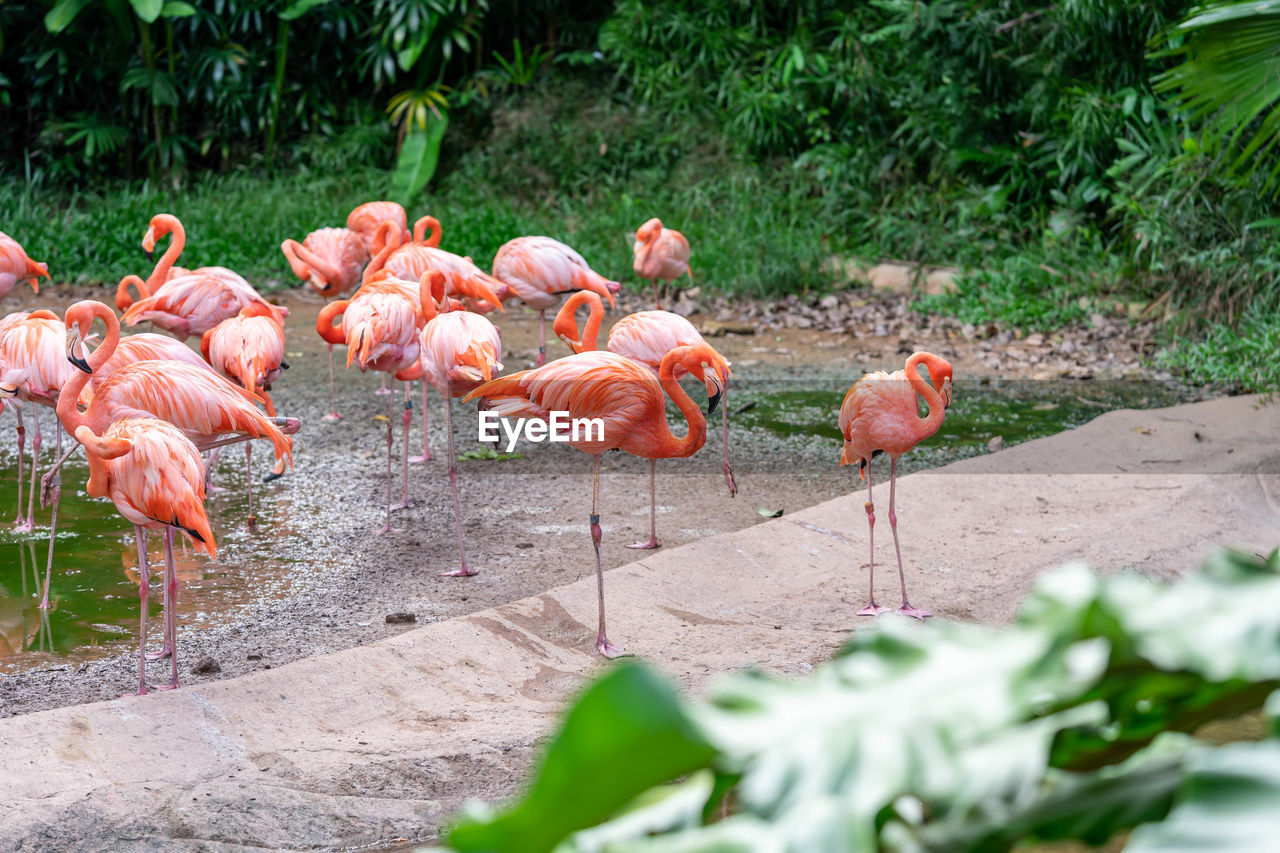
[[93, 598]]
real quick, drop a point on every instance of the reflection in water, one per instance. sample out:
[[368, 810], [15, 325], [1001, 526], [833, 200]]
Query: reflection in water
[[24, 626]]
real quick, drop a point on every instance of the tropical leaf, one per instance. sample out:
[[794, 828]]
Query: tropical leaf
[[300, 8], [418, 157], [60, 16], [147, 10], [177, 9]]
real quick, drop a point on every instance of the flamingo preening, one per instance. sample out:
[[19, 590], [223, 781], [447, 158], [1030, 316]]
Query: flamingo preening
[[660, 254], [459, 351], [539, 270], [646, 337], [367, 220], [629, 400], [880, 414]]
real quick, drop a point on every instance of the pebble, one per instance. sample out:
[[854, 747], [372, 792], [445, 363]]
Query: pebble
[[401, 618], [206, 665], [996, 443]]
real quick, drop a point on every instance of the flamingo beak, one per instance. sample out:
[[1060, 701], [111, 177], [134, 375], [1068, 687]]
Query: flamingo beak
[[7, 390], [714, 389], [946, 393], [80, 362]]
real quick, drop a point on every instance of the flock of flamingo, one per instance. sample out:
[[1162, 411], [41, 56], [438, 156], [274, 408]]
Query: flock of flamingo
[[145, 407]]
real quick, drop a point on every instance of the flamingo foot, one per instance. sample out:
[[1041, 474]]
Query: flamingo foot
[[172, 686], [251, 522], [44, 602], [210, 489], [387, 528], [914, 612], [141, 691], [872, 609], [383, 391], [464, 572], [644, 546], [418, 460], [24, 526], [332, 416], [729, 480], [609, 650], [160, 655]]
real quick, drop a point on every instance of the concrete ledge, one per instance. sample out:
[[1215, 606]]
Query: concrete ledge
[[386, 740]]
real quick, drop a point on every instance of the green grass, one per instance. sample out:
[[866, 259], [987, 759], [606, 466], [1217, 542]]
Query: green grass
[[1242, 359], [575, 167]]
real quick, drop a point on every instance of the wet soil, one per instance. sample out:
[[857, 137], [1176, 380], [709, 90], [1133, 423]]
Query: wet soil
[[315, 576]]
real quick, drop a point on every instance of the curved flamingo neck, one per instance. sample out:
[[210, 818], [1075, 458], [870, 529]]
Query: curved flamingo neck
[[928, 425], [69, 395], [390, 242], [589, 338], [327, 271], [325, 324], [177, 242], [697, 435], [123, 299], [428, 224]]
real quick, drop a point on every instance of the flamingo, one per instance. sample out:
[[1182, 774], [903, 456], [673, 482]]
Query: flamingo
[[539, 270], [330, 260], [367, 219], [16, 267], [880, 415], [154, 476], [33, 367], [380, 329], [459, 351], [660, 254], [196, 400], [629, 401], [646, 337], [160, 225]]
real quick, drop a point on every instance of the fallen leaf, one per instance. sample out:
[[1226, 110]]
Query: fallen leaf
[[769, 513], [1144, 430], [379, 417]]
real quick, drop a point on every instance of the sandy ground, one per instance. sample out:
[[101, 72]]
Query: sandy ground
[[383, 742], [322, 579]]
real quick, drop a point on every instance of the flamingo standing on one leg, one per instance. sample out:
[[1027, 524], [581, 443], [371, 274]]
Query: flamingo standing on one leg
[[646, 337], [16, 267], [154, 476], [460, 351], [880, 414], [380, 328], [629, 401], [661, 254], [539, 270], [330, 260]]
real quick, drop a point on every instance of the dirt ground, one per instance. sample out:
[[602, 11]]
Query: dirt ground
[[337, 580]]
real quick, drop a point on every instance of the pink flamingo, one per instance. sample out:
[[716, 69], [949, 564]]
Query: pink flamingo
[[16, 267], [153, 474], [380, 329], [539, 270], [331, 261], [368, 218], [646, 337], [880, 415], [160, 225], [459, 352], [660, 254], [629, 401]]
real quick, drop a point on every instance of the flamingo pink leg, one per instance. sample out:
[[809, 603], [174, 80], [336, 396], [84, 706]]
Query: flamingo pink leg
[[383, 390], [387, 528], [166, 648], [725, 466], [171, 615], [53, 520], [653, 511], [872, 609], [248, 481], [542, 338], [29, 524], [603, 646], [906, 609], [406, 419], [466, 571], [144, 593], [333, 405], [20, 523], [426, 447]]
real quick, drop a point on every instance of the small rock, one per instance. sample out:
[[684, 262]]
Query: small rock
[[1036, 340], [401, 618], [254, 656], [206, 665], [895, 278], [717, 328], [940, 281], [524, 544], [996, 443], [829, 302]]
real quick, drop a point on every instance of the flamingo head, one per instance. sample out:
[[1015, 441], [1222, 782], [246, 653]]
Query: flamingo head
[[702, 360], [940, 373], [649, 231], [160, 225], [79, 318]]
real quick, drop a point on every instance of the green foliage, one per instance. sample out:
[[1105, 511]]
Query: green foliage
[[948, 737], [1238, 358], [1021, 291]]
